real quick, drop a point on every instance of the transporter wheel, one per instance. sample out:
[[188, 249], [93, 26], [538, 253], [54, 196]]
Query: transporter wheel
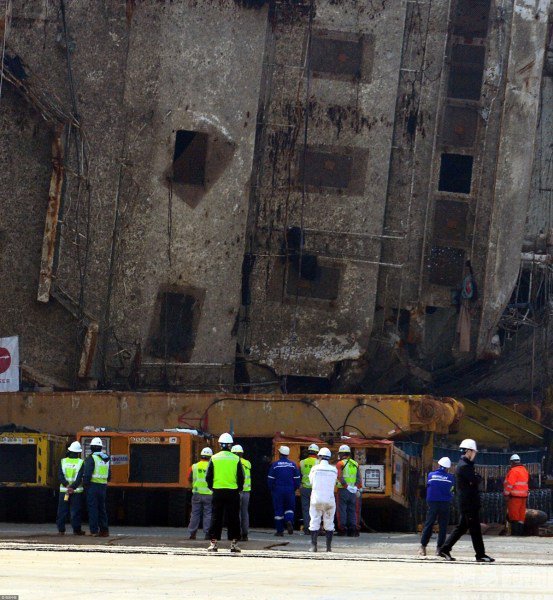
[[177, 511], [37, 505], [3, 505], [137, 507]]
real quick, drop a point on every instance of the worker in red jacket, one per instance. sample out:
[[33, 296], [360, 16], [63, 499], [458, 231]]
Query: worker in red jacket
[[515, 490]]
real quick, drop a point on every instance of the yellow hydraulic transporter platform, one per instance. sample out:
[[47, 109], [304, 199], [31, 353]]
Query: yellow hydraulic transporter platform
[[149, 474], [29, 474]]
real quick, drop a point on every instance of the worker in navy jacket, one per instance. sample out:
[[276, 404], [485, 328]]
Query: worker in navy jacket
[[284, 479], [439, 493]]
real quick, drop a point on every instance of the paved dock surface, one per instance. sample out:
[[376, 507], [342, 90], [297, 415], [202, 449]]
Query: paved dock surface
[[160, 563]]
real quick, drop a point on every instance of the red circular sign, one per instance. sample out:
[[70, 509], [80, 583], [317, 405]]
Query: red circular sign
[[5, 360]]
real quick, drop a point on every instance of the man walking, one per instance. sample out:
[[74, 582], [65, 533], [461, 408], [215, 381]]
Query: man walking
[[201, 495], [322, 503], [467, 483], [349, 501], [305, 492], [245, 493], [96, 475], [225, 478], [283, 480], [439, 493], [71, 491], [515, 490]]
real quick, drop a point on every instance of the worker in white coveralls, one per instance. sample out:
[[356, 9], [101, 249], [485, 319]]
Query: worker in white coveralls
[[322, 504]]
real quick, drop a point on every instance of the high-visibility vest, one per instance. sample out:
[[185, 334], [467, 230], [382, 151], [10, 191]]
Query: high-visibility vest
[[224, 470], [199, 484], [516, 482], [349, 472], [70, 468], [101, 470], [305, 467], [247, 466]]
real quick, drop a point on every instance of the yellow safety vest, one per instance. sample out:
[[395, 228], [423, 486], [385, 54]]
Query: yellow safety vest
[[101, 470], [224, 470], [199, 484], [70, 468], [349, 472], [247, 466], [305, 467]]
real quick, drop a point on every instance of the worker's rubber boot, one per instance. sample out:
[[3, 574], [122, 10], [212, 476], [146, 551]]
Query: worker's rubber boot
[[313, 547], [329, 535]]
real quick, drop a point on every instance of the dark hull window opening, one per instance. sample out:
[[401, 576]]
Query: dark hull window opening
[[450, 221], [459, 126], [455, 173], [470, 18], [189, 157], [314, 281], [336, 56], [177, 331], [466, 72], [319, 169], [446, 266]]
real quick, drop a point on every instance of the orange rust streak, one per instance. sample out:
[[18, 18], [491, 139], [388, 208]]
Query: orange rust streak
[[52, 213]]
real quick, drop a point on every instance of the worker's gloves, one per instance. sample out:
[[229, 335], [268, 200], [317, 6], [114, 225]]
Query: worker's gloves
[[352, 489], [70, 490]]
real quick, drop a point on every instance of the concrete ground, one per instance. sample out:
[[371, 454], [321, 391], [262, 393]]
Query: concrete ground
[[160, 563]]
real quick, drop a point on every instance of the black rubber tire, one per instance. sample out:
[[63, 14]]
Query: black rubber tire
[[37, 505], [178, 509], [137, 507]]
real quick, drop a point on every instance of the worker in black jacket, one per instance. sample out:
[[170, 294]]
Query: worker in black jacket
[[468, 495]]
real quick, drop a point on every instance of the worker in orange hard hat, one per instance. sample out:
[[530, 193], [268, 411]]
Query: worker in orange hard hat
[[515, 490]]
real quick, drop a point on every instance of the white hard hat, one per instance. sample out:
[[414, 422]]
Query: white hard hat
[[444, 462], [225, 438], [344, 448], [237, 449], [75, 447], [284, 450], [325, 452], [515, 457], [97, 442], [468, 445], [206, 452], [313, 448]]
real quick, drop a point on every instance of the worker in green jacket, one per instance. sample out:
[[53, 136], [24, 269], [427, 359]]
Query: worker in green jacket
[[245, 493], [305, 491], [225, 478]]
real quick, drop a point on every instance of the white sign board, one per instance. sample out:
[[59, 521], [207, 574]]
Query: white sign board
[[9, 364]]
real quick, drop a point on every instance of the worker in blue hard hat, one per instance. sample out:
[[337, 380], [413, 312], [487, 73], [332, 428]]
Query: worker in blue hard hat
[[439, 493], [305, 492]]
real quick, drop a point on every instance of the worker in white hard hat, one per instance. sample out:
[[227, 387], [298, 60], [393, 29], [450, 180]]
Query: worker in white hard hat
[[283, 481], [201, 495], [322, 502], [516, 490], [348, 511], [97, 473], [467, 482], [306, 465], [439, 493], [245, 493], [225, 478], [70, 474]]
